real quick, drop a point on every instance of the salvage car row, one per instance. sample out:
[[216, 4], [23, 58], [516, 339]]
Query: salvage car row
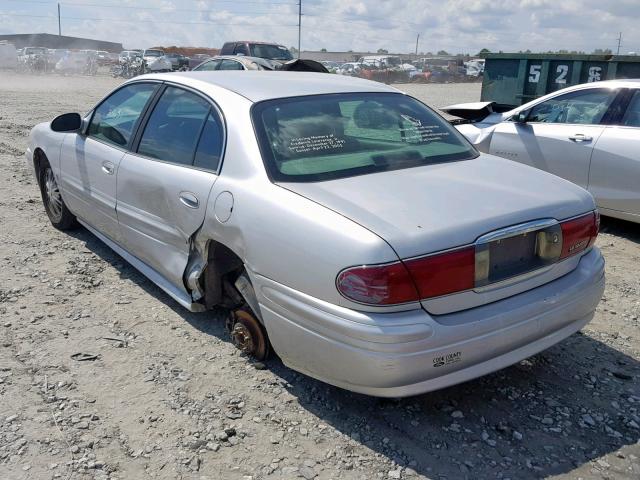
[[129, 63], [270, 56], [392, 69], [43, 60], [86, 62]]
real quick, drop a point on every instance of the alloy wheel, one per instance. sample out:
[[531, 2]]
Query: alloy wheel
[[52, 195]]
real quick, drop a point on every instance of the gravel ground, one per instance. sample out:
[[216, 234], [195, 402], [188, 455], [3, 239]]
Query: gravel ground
[[167, 396]]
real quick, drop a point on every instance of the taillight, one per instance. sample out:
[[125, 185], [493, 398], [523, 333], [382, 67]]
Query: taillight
[[411, 280], [377, 284], [444, 273], [579, 233]]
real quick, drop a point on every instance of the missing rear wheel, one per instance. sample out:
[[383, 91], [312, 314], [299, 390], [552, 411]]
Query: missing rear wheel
[[248, 334]]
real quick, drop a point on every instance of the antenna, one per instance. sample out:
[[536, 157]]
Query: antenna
[[299, 24], [619, 43]]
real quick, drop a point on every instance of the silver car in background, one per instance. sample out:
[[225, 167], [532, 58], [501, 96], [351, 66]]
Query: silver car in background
[[343, 223], [588, 134], [156, 61], [234, 62]]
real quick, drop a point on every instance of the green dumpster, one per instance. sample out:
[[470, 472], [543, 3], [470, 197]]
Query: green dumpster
[[511, 79]]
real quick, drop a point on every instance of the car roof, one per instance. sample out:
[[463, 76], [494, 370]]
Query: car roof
[[234, 57], [262, 85], [254, 42], [619, 83]]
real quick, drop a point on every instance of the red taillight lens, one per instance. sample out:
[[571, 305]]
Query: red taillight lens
[[579, 234], [444, 273], [433, 276], [377, 284]]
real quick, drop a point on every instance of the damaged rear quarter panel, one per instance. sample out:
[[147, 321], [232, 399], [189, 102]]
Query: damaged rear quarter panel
[[279, 234]]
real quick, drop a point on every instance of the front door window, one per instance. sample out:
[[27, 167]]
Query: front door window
[[114, 119], [584, 107]]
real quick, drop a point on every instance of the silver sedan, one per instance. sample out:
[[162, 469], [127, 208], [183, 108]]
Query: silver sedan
[[235, 62], [342, 223], [588, 134]]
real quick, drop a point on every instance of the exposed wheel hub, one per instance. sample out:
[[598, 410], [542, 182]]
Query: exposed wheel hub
[[248, 334], [242, 338]]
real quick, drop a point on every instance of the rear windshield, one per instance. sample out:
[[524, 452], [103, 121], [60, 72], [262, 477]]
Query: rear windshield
[[323, 137]]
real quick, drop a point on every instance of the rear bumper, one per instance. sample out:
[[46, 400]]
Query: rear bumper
[[408, 353]]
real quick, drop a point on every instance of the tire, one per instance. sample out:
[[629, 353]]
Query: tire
[[57, 211]]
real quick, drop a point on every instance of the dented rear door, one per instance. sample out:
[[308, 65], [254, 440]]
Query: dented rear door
[[164, 186]]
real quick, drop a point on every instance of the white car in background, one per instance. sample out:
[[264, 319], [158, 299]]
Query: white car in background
[[156, 61], [77, 62], [350, 68], [234, 62], [474, 68], [588, 134]]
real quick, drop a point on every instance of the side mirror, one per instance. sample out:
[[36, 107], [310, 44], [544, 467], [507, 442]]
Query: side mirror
[[521, 116], [68, 122], [84, 128]]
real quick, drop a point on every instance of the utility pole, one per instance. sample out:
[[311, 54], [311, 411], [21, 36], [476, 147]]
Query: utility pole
[[417, 39], [299, 24], [59, 24], [619, 43]]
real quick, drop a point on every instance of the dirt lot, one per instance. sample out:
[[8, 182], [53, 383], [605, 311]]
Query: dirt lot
[[169, 397]]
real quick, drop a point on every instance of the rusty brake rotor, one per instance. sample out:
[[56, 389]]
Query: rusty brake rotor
[[248, 334]]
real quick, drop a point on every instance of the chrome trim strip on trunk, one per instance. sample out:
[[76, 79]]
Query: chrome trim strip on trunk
[[514, 230]]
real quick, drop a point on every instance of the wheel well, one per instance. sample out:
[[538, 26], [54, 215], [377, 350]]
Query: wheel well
[[223, 267], [39, 158]]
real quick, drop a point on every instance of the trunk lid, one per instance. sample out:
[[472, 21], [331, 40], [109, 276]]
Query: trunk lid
[[427, 209], [436, 207]]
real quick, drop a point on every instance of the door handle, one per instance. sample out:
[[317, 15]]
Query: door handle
[[188, 199], [580, 137], [108, 168]]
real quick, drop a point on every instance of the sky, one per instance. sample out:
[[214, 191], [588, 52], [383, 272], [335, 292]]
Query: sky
[[457, 26]]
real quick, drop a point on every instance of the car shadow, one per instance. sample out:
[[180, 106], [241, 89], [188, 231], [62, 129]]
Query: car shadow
[[620, 228], [546, 415]]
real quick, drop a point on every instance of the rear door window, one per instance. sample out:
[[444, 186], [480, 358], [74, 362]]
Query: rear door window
[[174, 127], [631, 116], [210, 145]]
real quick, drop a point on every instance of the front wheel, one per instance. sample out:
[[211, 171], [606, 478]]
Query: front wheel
[[54, 205]]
